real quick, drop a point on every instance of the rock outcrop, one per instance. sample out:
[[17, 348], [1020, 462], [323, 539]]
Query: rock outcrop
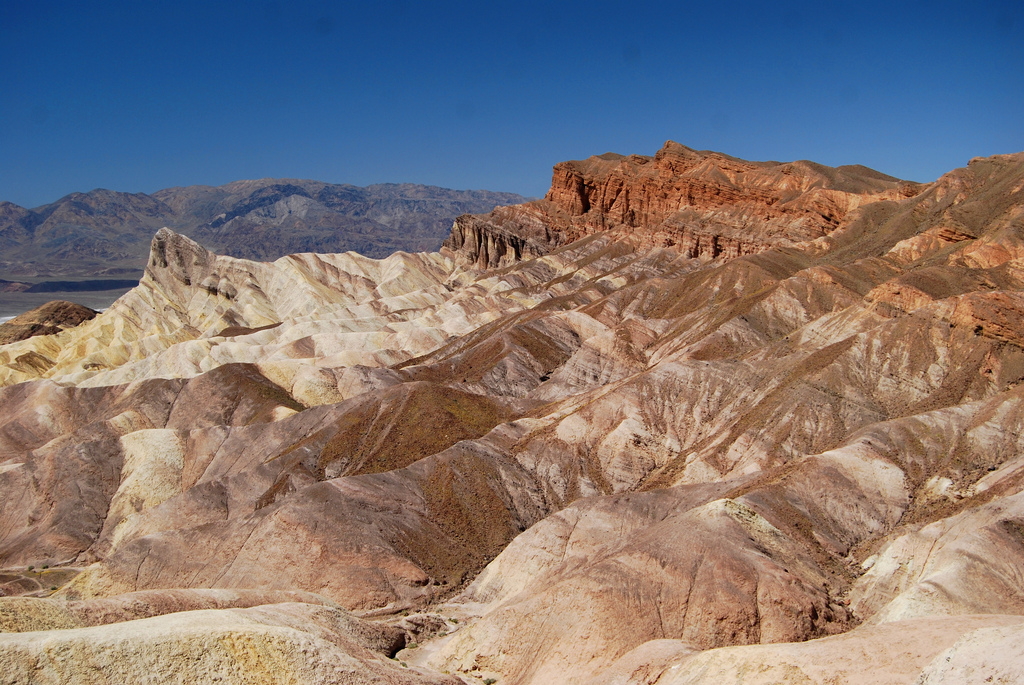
[[704, 204], [612, 460]]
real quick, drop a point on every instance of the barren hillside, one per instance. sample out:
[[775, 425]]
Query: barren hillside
[[687, 419]]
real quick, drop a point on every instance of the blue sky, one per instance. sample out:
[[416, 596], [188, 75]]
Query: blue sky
[[143, 96]]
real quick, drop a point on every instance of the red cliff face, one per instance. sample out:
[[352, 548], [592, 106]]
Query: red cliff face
[[704, 204]]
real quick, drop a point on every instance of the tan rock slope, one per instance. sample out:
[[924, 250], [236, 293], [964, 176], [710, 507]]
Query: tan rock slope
[[701, 420], [274, 642]]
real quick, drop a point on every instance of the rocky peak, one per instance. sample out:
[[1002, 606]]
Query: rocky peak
[[704, 204], [177, 264], [94, 233], [180, 256]]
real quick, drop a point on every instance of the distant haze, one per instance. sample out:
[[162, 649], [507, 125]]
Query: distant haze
[[103, 236], [106, 234]]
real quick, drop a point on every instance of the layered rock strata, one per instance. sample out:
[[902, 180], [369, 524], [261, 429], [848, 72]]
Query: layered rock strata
[[280, 642], [703, 204], [613, 461]]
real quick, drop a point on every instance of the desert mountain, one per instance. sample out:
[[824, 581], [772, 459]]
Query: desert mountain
[[107, 232], [687, 419]]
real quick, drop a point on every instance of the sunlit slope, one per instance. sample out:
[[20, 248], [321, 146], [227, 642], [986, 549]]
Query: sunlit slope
[[615, 461]]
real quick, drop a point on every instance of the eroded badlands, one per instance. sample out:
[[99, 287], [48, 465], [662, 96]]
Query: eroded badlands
[[687, 419]]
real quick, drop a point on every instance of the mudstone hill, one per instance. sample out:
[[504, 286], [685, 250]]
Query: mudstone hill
[[687, 419]]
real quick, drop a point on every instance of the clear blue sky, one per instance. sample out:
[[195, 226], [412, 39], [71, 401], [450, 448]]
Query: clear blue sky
[[145, 95]]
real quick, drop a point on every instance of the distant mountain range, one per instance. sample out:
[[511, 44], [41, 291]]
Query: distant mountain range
[[107, 233]]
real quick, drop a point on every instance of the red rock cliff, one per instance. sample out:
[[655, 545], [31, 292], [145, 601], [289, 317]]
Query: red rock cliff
[[705, 204]]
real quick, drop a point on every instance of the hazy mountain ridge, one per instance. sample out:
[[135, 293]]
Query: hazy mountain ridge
[[786, 450], [104, 232]]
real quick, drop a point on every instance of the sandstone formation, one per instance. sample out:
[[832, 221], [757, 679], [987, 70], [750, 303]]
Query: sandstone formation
[[699, 420], [703, 204]]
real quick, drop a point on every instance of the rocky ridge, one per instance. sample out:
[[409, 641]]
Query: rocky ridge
[[105, 232], [610, 459], [703, 204]]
